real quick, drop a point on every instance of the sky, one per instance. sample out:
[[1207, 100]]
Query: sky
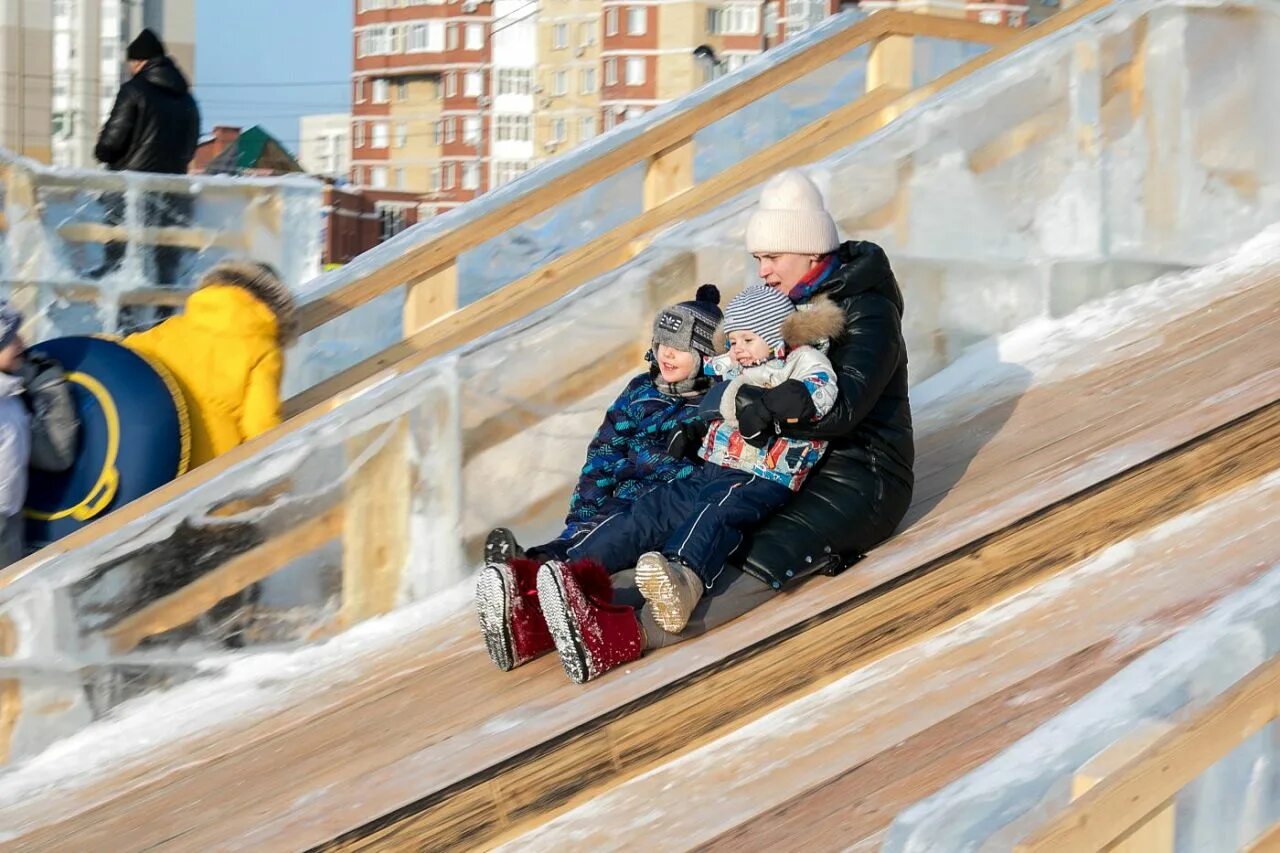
[[294, 54]]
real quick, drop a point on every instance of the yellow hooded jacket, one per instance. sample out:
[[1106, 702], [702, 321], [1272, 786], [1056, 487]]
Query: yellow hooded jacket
[[224, 352]]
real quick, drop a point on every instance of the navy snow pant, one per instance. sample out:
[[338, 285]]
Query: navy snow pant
[[698, 520]]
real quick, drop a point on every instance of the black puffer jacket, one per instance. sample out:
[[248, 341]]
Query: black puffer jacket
[[154, 125], [860, 491]]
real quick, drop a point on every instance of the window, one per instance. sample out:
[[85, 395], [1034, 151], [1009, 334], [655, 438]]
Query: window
[[635, 71], [373, 41], [559, 131], [371, 5], [378, 177], [559, 36], [402, 90], [734, 20], [471, 176], [471, 130], [437, 179], [397, 39], [586, 128], [637, 20], [452, 40], [450, 129], [587, 81], [399, 179], [990, 16], [611, 72], [715, 22], [560, 83], [439, 132], [475, 36], [472, 84], [1015, 19], [505, 171], [379, 134], [611, 21], [360, 91], [450, 84], [426, 37], [380, 90], [358, 135], [586, 34], [609, 120], [448, 176], [511, 128], [633, 112], [402, 134], [514, 81]]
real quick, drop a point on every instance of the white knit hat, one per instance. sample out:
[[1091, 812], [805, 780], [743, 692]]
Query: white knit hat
[[791, 218]]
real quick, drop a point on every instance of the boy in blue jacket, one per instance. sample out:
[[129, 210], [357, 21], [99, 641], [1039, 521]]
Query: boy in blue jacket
[[626, 459]]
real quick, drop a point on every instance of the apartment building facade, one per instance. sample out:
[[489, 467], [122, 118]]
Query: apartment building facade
[[324, 144]]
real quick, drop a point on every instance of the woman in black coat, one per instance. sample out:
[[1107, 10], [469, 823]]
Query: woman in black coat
[[853, 500]]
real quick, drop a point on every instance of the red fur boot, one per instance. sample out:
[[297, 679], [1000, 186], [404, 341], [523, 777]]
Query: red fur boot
[[507, 600], [592, 634]]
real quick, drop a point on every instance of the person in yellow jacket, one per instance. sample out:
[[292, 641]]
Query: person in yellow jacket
[[226, 354]]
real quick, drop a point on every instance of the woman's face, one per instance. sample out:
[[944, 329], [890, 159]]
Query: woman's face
[[675, 365], [783, 271]]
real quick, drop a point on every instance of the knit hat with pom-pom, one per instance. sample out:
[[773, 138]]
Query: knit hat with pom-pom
[[690, 326]]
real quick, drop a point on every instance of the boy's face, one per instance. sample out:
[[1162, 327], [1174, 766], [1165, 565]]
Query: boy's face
[[675, 365], [748, 348], [11, 356]]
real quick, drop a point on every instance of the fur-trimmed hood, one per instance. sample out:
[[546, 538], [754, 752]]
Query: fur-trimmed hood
[[816, 321], [264, 284]]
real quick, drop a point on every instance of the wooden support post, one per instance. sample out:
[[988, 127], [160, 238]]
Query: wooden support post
[[375, 531], [10, 690], [666, 175], [431, 298], [1155, 833]]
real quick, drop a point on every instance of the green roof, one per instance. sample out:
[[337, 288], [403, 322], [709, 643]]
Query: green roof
[[255, 149]]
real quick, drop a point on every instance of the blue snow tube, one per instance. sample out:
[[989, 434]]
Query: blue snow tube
[[134, 436]]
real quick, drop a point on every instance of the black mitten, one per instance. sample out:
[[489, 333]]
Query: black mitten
[[687, 438], [790, 402], [755, 422]]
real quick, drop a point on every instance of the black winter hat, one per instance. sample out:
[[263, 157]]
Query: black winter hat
[[690, 326], [146, 46]]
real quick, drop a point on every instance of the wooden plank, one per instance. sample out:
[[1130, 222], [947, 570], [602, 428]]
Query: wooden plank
[[1155, 833], [180, 607], [186, 238], [375, 537], [668, 173], [1267, 842], [1019, 139], [757, 680], [170, 296], [431, 298], [1142, 786], [10, 690]]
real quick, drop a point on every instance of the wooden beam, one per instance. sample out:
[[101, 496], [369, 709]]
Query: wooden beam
[[185, 238], [1267, 842], [1155, 834], [180, 607], [375, 535], [1142, 786], [1018, 139], [431, 298], [10, 690]]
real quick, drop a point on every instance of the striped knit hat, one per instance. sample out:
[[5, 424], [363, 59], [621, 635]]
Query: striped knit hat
[[760, 310]]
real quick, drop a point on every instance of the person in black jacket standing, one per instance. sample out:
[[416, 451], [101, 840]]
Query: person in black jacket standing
[[153, 127], [856, 496]]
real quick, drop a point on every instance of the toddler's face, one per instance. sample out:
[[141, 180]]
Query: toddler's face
[[748, 348], [11, 356], [676, 365]]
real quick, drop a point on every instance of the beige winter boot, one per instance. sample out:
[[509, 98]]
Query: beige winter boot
[[671, 587]]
